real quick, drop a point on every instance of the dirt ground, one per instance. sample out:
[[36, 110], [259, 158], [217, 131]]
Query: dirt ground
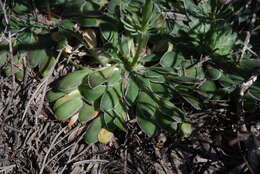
[[33, 141]]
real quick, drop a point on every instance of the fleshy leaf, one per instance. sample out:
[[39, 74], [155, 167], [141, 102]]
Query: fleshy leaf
[[87, 113], [155, 77], [69, 108], [98, 78], [208, 86], [119, 124], [147, 126], [93, 130], [52, 96], [146, 106], [92, 94], [254, 92], [109, 100], [72, 80], [132, 91], [109, 32], [71, 96], [213, 73], [171, 59]]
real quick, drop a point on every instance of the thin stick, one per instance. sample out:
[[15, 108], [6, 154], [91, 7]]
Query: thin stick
[[49, 150], [125, 161], [246, 42], [90, 161], [6, 168]]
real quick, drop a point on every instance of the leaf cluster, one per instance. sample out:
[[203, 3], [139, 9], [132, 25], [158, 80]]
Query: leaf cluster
[[145, 62]]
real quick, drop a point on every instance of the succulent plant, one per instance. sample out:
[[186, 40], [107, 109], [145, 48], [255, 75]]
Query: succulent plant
[[144, 63]]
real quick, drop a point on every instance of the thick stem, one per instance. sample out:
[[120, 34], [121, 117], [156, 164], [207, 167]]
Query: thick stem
[[142, 41]]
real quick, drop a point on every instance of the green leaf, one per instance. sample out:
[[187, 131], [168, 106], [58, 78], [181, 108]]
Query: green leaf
[[87, 113], [165, 122], [155, 77], [192, 100], [223, 41], [69, 108], [149, 58], [89, 22], [71, 96], [52, 96], [19, 75], [101, 3], [131, 91], [208, 86], [230, 80], [119, 124], [120, 112], [108, 120], [112, 6], [147, 12], [46, 69], [171, 59], [115, 78], [116, 118], [38, 57], [126, 46], [77, 8], [67, 24], [213, 73], [171, 110], [148, 127], [254, 91], [109, 32], [58, 2], [142, 82], [146, 106], [163, 70], [161, 90], [109, 100], [192, 70], [62, 44], [99, 77], [87, 7], [25, 39], [249, 65], [182, 80], [192, 10], [21, 7], [93, 130], [72, 80], [92, 94]]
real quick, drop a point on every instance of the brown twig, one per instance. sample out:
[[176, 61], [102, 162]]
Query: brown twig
[[6, 169], [125, 161], [246, 42], [50, 148]]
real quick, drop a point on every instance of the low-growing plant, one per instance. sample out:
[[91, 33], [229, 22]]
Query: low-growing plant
[[141, 64]]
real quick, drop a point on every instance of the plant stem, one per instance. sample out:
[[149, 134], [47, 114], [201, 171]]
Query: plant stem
[[142, 41]]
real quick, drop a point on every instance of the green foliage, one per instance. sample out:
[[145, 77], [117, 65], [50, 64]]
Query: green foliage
[[145, 63]]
